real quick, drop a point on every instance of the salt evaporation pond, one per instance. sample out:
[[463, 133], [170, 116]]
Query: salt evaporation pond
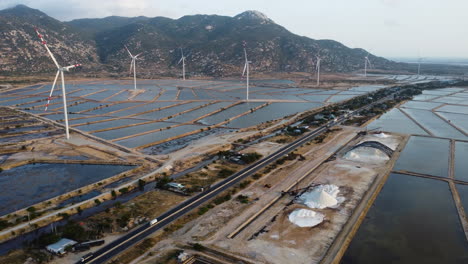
[[425, 155], [396, 121], [127, 131], [434, 124], [110, 124], [271, 112], [463, 192], [421, 105], [138, 141], [33, 183], [305, 218], [228, 113], [458, 120], [461, 161], [406, 224], [454, 109]]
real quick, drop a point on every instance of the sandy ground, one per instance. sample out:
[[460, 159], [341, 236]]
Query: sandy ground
[[199, 149], [272, 238], [214, 226]]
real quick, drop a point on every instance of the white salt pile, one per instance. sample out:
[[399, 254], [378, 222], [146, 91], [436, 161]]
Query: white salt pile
[[305, 218], [381, 135], [367, 155], [322, 196]]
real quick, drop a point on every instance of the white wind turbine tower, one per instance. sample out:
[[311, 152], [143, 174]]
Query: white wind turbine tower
[[246, 70], [366, 61], [60, 71], [182, 59], [133, 65], [317, 68], [419, 65]]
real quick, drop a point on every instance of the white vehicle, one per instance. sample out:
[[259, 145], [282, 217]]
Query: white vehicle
[[86, 257], [154, 221]]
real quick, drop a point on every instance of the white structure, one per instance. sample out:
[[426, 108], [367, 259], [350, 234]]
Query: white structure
[[60, 71], [133, 64], [60, 246], [317, 68], [176, 185], [322, 196], [419, 65], [182, 59], [305, 218], [366, 61], [246, 70]]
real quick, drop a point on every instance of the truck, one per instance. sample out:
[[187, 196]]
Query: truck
[[154, 221]]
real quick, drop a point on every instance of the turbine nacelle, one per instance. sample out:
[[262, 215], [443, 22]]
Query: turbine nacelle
[[67, 68]]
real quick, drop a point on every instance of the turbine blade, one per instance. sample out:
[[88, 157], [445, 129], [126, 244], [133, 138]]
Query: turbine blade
[[72, 66], [47, 48], [180, 60], [128, 51], [51, 91], [138, 54], [245, 53], [245, 69]]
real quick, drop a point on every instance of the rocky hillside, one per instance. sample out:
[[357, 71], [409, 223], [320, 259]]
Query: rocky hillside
[[22, 52], [213, 44]]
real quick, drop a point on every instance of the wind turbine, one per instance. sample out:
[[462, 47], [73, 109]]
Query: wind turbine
[[419, 65], [317, 68], [182, 59], [366, 61], [246, 69], [60, 71], [133, 65]]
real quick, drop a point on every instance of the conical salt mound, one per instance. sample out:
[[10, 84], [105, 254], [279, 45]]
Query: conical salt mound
[[318, 199]]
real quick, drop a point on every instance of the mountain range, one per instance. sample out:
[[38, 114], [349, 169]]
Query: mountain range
[[214, 45]]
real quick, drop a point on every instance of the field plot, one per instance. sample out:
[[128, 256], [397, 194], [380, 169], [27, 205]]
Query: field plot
[[161, 110], [438, 113], [433, 164], [37, 162], [29, 184]]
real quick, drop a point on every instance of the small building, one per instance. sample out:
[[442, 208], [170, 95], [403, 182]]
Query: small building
[[60, 246]]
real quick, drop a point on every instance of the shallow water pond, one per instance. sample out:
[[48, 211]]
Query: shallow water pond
[[33, 183], [407, 225], [425, 155]]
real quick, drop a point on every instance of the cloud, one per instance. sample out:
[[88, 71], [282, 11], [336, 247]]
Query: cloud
[[391, 3], [391, 23]]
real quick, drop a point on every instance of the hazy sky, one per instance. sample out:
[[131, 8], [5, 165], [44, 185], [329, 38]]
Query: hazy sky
[[389, 28]]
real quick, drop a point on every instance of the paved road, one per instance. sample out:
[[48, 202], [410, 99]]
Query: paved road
[[114, 248]]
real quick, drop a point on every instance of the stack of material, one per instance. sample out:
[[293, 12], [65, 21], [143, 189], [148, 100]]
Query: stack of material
[[305, 218], [321, 197]]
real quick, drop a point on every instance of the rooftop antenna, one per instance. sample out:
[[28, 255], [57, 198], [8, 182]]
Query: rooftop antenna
[[60, 71], [133, 65], [246, 69]]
